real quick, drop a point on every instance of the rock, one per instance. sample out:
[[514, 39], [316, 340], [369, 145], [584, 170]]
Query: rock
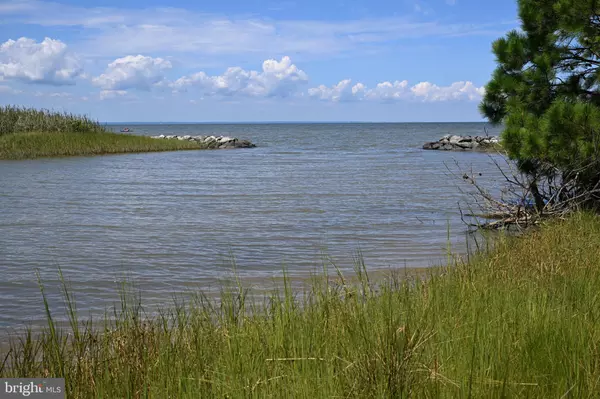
[[465, 144], [235, 143], [462, 143], [221, 142], [435, 145], [454, 139]]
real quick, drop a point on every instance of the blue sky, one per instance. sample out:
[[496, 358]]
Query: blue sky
[[252, 60]]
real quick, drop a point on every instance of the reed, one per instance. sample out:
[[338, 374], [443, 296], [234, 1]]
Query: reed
[[522, 320], [23, 120], [62, 144], [29, 133]]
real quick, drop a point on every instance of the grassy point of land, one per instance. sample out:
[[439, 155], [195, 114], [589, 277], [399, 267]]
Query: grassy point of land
[[37, 145], [522, 320], [29, 133]]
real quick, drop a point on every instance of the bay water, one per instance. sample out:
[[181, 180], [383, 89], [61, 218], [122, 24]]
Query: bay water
[[177, 222]]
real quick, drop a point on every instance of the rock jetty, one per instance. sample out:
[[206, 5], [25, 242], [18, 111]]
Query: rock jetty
[[463, 143], [217, 142]]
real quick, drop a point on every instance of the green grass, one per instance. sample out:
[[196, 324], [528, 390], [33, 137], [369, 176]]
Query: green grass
[[520, 321], [36, 145], [25, 120], [29, 133]]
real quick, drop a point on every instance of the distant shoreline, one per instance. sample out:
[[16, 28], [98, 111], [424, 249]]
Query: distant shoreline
[[126, 123], [27, 133]]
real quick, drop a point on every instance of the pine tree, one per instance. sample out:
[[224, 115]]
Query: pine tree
[[545, 91]]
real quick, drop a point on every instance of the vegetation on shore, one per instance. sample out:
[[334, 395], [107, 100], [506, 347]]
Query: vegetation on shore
[[29, 133], [519, 321], [545, 92]]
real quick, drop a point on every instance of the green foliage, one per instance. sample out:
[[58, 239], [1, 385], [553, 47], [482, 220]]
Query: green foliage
[[24, 120], [520, 321], [62, 144], [545, 90], [30, 133]]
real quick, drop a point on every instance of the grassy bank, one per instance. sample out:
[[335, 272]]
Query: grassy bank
[[521, 321], [36, 145], [29, 133]]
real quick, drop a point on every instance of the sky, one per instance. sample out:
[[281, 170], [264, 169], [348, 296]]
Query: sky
[[252, 60]]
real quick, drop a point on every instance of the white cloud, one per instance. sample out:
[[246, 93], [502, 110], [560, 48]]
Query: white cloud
[[277, 79], [396, 91], [456, 91], [108, 94], [343, 91], [387, 91], [60, 94], [133, 72], [116, 32], [46, 62]]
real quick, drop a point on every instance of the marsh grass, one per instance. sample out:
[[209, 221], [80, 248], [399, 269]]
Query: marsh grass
[[522, 320], [29, 133], [25, 120], [63, 144]]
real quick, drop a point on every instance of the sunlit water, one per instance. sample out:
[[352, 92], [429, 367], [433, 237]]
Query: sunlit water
[[172, 222]]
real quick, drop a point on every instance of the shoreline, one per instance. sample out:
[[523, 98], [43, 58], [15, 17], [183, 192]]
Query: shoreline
[[257, 288], [32, 145], [515, 308]]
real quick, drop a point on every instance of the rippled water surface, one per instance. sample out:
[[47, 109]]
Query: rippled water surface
[[173, 221]]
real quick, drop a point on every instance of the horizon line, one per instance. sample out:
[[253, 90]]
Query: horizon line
[[273, 122]]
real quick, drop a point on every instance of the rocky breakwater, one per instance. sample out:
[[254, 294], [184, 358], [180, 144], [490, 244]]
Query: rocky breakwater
[[217, 142], [463, 143]]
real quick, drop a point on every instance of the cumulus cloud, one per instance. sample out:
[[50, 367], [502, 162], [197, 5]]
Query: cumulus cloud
[[48, 61], [133, 72], [456, 91], [343, 91], [108, 94], [277, 79], [387, 91], [398, 90]]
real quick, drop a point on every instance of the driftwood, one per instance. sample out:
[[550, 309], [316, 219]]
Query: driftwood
[[525, 200]]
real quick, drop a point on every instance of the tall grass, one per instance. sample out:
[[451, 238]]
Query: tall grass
[[520, 321], [29, 133], [36, 145], [24, 120]]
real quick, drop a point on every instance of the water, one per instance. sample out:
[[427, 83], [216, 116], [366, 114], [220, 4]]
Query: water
[[172, 222]]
